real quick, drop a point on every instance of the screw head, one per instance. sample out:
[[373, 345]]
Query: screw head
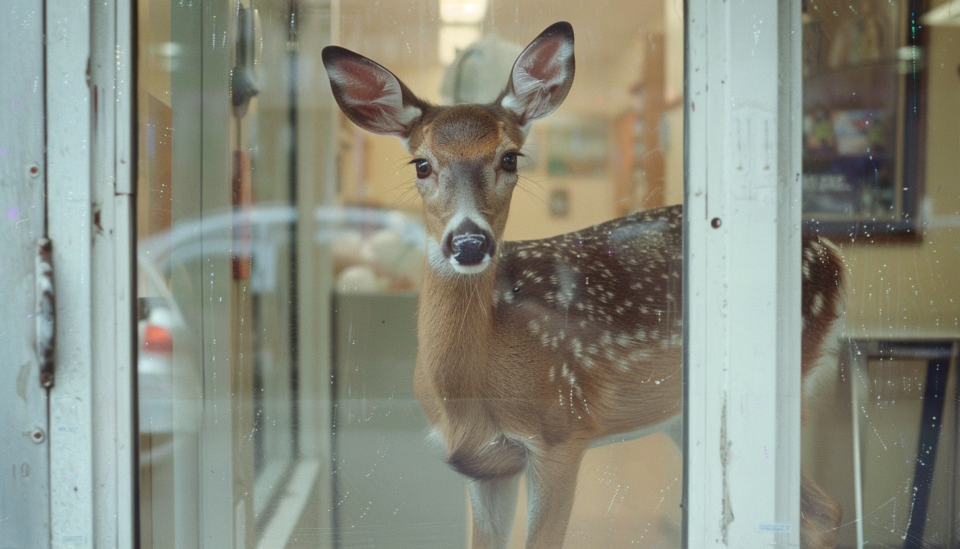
[[37, 435]]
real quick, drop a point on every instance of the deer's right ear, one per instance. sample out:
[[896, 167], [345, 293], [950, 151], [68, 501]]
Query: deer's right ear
[[542, 75], [370, 95]]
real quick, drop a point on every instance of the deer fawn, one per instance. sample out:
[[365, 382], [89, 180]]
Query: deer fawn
[[531, 351]]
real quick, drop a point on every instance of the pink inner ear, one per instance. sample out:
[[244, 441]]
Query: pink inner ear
[[362, 83], [370, 112], [545, 63]]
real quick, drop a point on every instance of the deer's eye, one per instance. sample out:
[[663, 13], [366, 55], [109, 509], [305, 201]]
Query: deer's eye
[[423, 168], [509, 162]]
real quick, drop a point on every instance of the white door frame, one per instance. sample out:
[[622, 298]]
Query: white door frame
[[742, 274], [90, 176]]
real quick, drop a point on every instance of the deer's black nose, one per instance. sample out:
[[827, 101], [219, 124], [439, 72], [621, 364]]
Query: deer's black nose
[[469, 249], [468, 244]]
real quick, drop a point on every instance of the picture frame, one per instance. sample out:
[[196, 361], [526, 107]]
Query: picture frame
[[863, 118]]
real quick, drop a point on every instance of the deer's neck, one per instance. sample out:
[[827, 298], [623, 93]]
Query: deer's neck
[[455, 332]]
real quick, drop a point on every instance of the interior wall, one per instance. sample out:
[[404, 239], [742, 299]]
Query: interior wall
[[673, 118]]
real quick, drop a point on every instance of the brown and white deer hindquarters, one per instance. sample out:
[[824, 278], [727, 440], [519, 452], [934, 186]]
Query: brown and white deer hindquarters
[[531, 351]]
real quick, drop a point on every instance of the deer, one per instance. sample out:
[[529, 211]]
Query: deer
[[529, 352]]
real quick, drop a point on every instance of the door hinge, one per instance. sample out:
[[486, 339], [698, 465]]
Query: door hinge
[[46, 312]]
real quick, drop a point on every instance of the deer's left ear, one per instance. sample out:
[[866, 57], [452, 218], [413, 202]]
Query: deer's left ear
[[542, 75]]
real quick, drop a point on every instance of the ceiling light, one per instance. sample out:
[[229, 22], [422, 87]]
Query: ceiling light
[[463, 11], [455, 38]]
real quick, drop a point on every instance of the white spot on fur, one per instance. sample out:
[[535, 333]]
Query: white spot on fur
[[567, 285], [817, 307]]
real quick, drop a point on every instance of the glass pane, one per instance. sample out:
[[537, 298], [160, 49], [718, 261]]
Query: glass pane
[[879, 179], [283, 250], [219, 350], [613, 147]]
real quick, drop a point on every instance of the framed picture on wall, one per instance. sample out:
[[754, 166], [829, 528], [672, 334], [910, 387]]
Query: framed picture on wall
[[863, 118], [578, 147]]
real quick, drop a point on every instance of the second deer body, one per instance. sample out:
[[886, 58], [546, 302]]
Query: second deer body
[[531, 351]]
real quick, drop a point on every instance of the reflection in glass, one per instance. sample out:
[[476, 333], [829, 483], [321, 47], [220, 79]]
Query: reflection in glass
[[883, 436], [864, 114]]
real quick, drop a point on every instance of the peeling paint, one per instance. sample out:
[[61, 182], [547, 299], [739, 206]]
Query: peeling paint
[[22, 381], [725, 445]]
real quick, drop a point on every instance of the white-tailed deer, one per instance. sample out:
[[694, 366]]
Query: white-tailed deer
[[531, 351]]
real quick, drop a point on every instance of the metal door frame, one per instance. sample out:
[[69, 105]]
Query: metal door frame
[[24, 281]]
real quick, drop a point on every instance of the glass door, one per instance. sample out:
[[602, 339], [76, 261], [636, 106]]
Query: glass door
[[224, 325]]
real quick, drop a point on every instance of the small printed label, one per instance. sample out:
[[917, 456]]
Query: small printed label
[[774, 528]]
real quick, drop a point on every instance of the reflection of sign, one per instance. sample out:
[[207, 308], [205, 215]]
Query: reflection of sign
[[825, 182], [856, 132], [828, 193], [851, 185]]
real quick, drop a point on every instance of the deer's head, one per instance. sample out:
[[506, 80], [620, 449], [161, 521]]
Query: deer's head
[[465, 156]]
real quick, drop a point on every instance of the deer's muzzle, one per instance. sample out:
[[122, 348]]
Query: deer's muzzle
[[468, 245]]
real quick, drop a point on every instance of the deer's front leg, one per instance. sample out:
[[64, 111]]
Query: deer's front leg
[[494, 503], [551, 484], [820, 516]]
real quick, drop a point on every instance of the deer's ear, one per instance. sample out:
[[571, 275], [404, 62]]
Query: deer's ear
[[542, 75], [370, 95]]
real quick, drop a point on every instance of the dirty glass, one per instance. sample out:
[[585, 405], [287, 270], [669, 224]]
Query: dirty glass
[[280, 257], [880, 143], [613, 147]]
